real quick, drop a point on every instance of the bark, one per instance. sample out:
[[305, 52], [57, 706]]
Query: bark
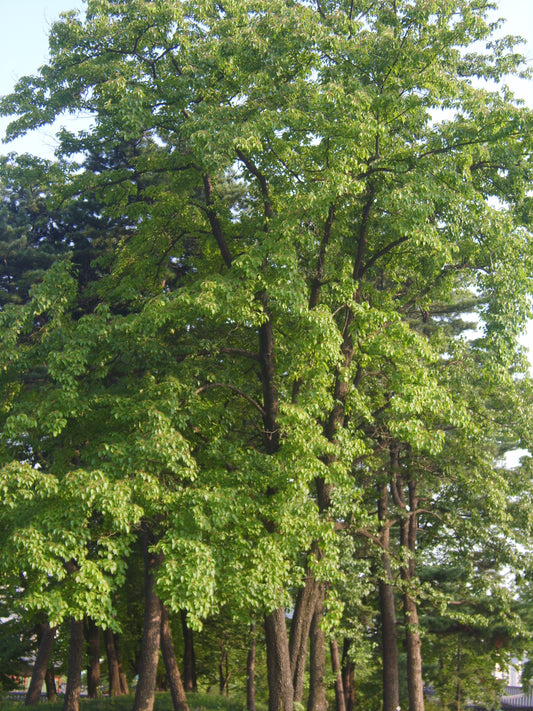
[[389, 651], [189, 659], [50, 682], [46, 642], [458, 688], [413, 643], [223, 669], [124, 689], [149, 656], [348, 681], [299, 635], [216, 227], [337, 673], [250, 672], [177, 692], [75, 657], [281, 694], [280, 685], [415, 683], [92, 639], [112, 664], [389, 634], [317, 659]]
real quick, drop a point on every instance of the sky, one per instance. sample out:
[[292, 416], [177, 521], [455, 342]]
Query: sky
[[24, 29]]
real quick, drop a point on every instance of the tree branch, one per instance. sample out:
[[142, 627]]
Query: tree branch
[[381, 252], [319, 272], [240, 352], [234, 389], [254, 170], [216, 227]]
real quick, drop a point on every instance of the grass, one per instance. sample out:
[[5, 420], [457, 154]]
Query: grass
[[163, 702]]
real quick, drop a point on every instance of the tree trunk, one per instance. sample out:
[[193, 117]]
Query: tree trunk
[[223, 668], [336, 668], [458, 688], [413, 643], [389, 633], [149, 657], [92, 639], [250, 672], [299, 634], [112, 664], [177, 692], [161, 680], [348, 682], [124, 689], [281, 694], [389, 646], [317, 659], [75, 658], [189, 660], [50, 682], [415, 683], [46, 642]]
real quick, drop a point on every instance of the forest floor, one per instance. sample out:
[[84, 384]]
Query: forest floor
[[163, 702]]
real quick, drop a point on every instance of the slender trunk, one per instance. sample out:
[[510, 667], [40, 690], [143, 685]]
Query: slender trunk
[[75, 658], [309, 626], [92, 639], [348, 681], [337, 673], [189, 660], [112, 664], [389, 650], [46, 642], [413, 641], [177, 692], [145, 691], [389, 634], [161, 681], [280, 685], [281, 694], [223, 669], [250, 671], [124, 689], [415, 683], [50, 683], [317, 659], [299, 635], [458, 690]]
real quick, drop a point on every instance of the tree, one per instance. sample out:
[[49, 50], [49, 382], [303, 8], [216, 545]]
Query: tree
[[42, 659], [177, 691], [92, 639], [293, 202]]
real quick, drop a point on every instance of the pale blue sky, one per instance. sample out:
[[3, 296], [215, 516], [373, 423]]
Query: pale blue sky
[[24, 29]]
